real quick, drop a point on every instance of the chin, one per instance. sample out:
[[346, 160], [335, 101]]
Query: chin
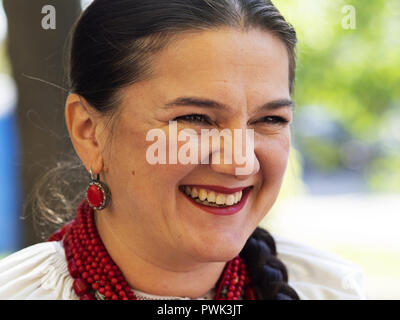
[[220, 249]]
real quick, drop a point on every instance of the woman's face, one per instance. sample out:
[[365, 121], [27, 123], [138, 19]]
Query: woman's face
[[241, 70]]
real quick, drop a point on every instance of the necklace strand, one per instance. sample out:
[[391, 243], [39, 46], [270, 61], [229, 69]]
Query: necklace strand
[[97, 277]]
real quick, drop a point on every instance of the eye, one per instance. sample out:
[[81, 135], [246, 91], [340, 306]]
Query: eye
[[200, 118]]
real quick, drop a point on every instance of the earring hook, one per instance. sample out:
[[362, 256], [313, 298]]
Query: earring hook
[[92, 177]]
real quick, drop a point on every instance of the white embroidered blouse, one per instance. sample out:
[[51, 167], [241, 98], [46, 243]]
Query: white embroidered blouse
[[40, 272]]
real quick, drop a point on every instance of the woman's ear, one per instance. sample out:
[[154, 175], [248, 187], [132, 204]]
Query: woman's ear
[[83, 125]]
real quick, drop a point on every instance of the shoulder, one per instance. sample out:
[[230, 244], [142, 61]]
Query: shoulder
[[36, 272], [319, 275]]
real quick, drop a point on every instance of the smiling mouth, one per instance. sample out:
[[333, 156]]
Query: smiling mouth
[[215, 198]]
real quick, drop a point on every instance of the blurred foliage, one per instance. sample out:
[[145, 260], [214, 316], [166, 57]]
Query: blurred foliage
[[380, 175], [292, 184], [354, 75]]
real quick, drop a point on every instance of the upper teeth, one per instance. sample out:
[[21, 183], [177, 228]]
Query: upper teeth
[[214, 197]]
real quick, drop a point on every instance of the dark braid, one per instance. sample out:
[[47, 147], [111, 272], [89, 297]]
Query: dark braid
[[268, 274]]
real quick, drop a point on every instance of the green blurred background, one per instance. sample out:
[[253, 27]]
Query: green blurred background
[[342, 189], [349, 79]]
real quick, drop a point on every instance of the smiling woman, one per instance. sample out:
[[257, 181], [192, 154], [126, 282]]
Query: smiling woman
[[173, 230]]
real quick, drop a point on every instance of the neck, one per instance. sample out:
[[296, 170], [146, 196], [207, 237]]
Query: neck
[[147, 271]]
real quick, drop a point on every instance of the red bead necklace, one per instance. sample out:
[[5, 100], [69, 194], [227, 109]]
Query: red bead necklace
[[96, 276]]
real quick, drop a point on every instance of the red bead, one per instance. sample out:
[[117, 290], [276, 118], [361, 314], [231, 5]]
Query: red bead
[[57, 236], [249, 294], [95, 195], [114, 281], [72, 268], [95, 285], [121, 293], [229, 294], [68, 251], [88, 296], [114, 297], [80, 286], [104, 260]]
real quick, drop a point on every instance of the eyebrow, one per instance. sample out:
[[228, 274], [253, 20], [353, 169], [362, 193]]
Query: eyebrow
[[208, 103]]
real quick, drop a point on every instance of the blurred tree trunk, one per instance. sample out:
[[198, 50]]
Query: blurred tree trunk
[[39, 53]]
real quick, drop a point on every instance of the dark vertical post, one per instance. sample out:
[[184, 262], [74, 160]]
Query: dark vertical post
[[36, 49]]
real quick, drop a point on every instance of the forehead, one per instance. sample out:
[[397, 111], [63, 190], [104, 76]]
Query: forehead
[[223, 59]]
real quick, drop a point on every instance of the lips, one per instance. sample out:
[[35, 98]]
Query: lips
[[214, 208]]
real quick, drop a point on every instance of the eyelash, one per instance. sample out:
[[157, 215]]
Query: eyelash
[[201, 118], [276, 120]]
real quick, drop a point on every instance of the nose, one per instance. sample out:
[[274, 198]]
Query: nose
[[234, 155]]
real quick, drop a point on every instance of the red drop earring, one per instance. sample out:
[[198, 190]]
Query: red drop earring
[[98, 194]]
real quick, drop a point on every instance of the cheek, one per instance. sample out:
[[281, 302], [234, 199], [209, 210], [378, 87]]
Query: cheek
[[172, 152], [273, 155]]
